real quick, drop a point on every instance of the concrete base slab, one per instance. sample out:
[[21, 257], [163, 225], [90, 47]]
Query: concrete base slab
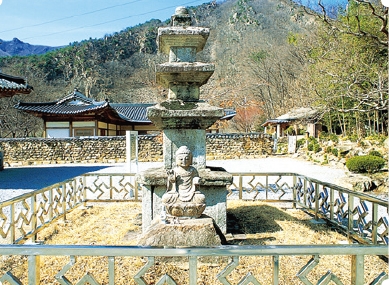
[[318, 222]]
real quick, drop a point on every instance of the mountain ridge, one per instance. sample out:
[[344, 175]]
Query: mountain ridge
[[16, 47]]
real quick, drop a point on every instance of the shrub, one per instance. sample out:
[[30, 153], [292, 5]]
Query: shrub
[[378, 138], [365, 163], [375, 153], [290, 130], [335, 151], [334, 138], [353, 137], [300, 143], [323, 136], [313, 145], [328, 137], [312, 139], [316, 148]]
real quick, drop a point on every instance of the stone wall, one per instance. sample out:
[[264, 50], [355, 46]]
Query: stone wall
[[30, 151]]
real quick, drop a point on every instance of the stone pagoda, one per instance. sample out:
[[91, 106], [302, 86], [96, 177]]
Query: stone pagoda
[[183, 119]]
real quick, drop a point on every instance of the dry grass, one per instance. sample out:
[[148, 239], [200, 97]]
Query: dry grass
[[260, 223]]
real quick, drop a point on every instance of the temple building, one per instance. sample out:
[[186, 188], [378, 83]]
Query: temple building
[[12, 85], [301, 118], [76, 115]]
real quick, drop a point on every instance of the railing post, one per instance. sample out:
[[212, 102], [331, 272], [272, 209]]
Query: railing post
[[111, 270], [33, 269], [192, 270], [294, 192], [332, 203], [276, 269], [51, 204], [357, 270], [267, 186], [110, 187], [316, 201], [84, 190], [75, 191], [12, 225], [136, 190], [240, 187], [350, 203], [63, 186], [374, 225], [33, 218]]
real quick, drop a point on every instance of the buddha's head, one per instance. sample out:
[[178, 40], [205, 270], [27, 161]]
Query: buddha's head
[[183, 156]]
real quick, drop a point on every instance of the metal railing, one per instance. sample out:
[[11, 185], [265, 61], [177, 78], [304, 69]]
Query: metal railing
[[24, 216], [361, 216], [109, 268]]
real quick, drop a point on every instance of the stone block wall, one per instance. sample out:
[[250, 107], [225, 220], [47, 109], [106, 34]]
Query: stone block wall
[[31, 151], [235, 146]]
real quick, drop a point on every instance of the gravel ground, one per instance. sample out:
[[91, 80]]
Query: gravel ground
[[16, 181]]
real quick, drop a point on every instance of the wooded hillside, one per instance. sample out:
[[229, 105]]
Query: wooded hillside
[[265, 53]]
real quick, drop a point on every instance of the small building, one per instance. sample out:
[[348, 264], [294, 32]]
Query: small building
[[76, 115], [12, 85], [306, 117]]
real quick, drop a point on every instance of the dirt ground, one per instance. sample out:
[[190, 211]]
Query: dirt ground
[[249, 223]]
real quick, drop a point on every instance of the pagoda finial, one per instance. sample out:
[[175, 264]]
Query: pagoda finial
[[181, 17]]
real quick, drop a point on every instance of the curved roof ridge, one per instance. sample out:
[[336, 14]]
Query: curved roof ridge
[[76, 96]]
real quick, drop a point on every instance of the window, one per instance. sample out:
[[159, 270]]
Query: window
[[83, 132]]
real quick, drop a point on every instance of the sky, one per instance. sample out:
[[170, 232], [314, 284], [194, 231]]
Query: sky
[[61, 22]]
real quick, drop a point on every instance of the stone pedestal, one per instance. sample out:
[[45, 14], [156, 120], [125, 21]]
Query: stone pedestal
[[189, 232], [212, 184]]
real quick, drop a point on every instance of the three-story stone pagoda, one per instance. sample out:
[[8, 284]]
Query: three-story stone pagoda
[[183, 119]]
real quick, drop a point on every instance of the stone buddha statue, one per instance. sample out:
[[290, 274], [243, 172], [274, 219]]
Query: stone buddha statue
[[183, 197]]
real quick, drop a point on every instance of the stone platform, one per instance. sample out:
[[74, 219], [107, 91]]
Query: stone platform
[[213, 182]]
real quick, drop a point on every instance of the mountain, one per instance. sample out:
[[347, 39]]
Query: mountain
[[250, 43], [19, 48]]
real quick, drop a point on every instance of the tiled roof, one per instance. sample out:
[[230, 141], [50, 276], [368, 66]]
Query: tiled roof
[[136, 113], [75, 98], [53, 108], [77, 103], [228, 114], [11, 85], [293, 115], [300, 113]]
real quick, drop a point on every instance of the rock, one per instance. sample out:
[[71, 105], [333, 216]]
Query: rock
[[386, 143], [360, 183], [185, 233]]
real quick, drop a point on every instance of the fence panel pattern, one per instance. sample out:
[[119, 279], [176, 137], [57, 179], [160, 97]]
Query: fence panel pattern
[[111, 187], [111, 258], [22, 217], [364, 217], [262, 186]]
